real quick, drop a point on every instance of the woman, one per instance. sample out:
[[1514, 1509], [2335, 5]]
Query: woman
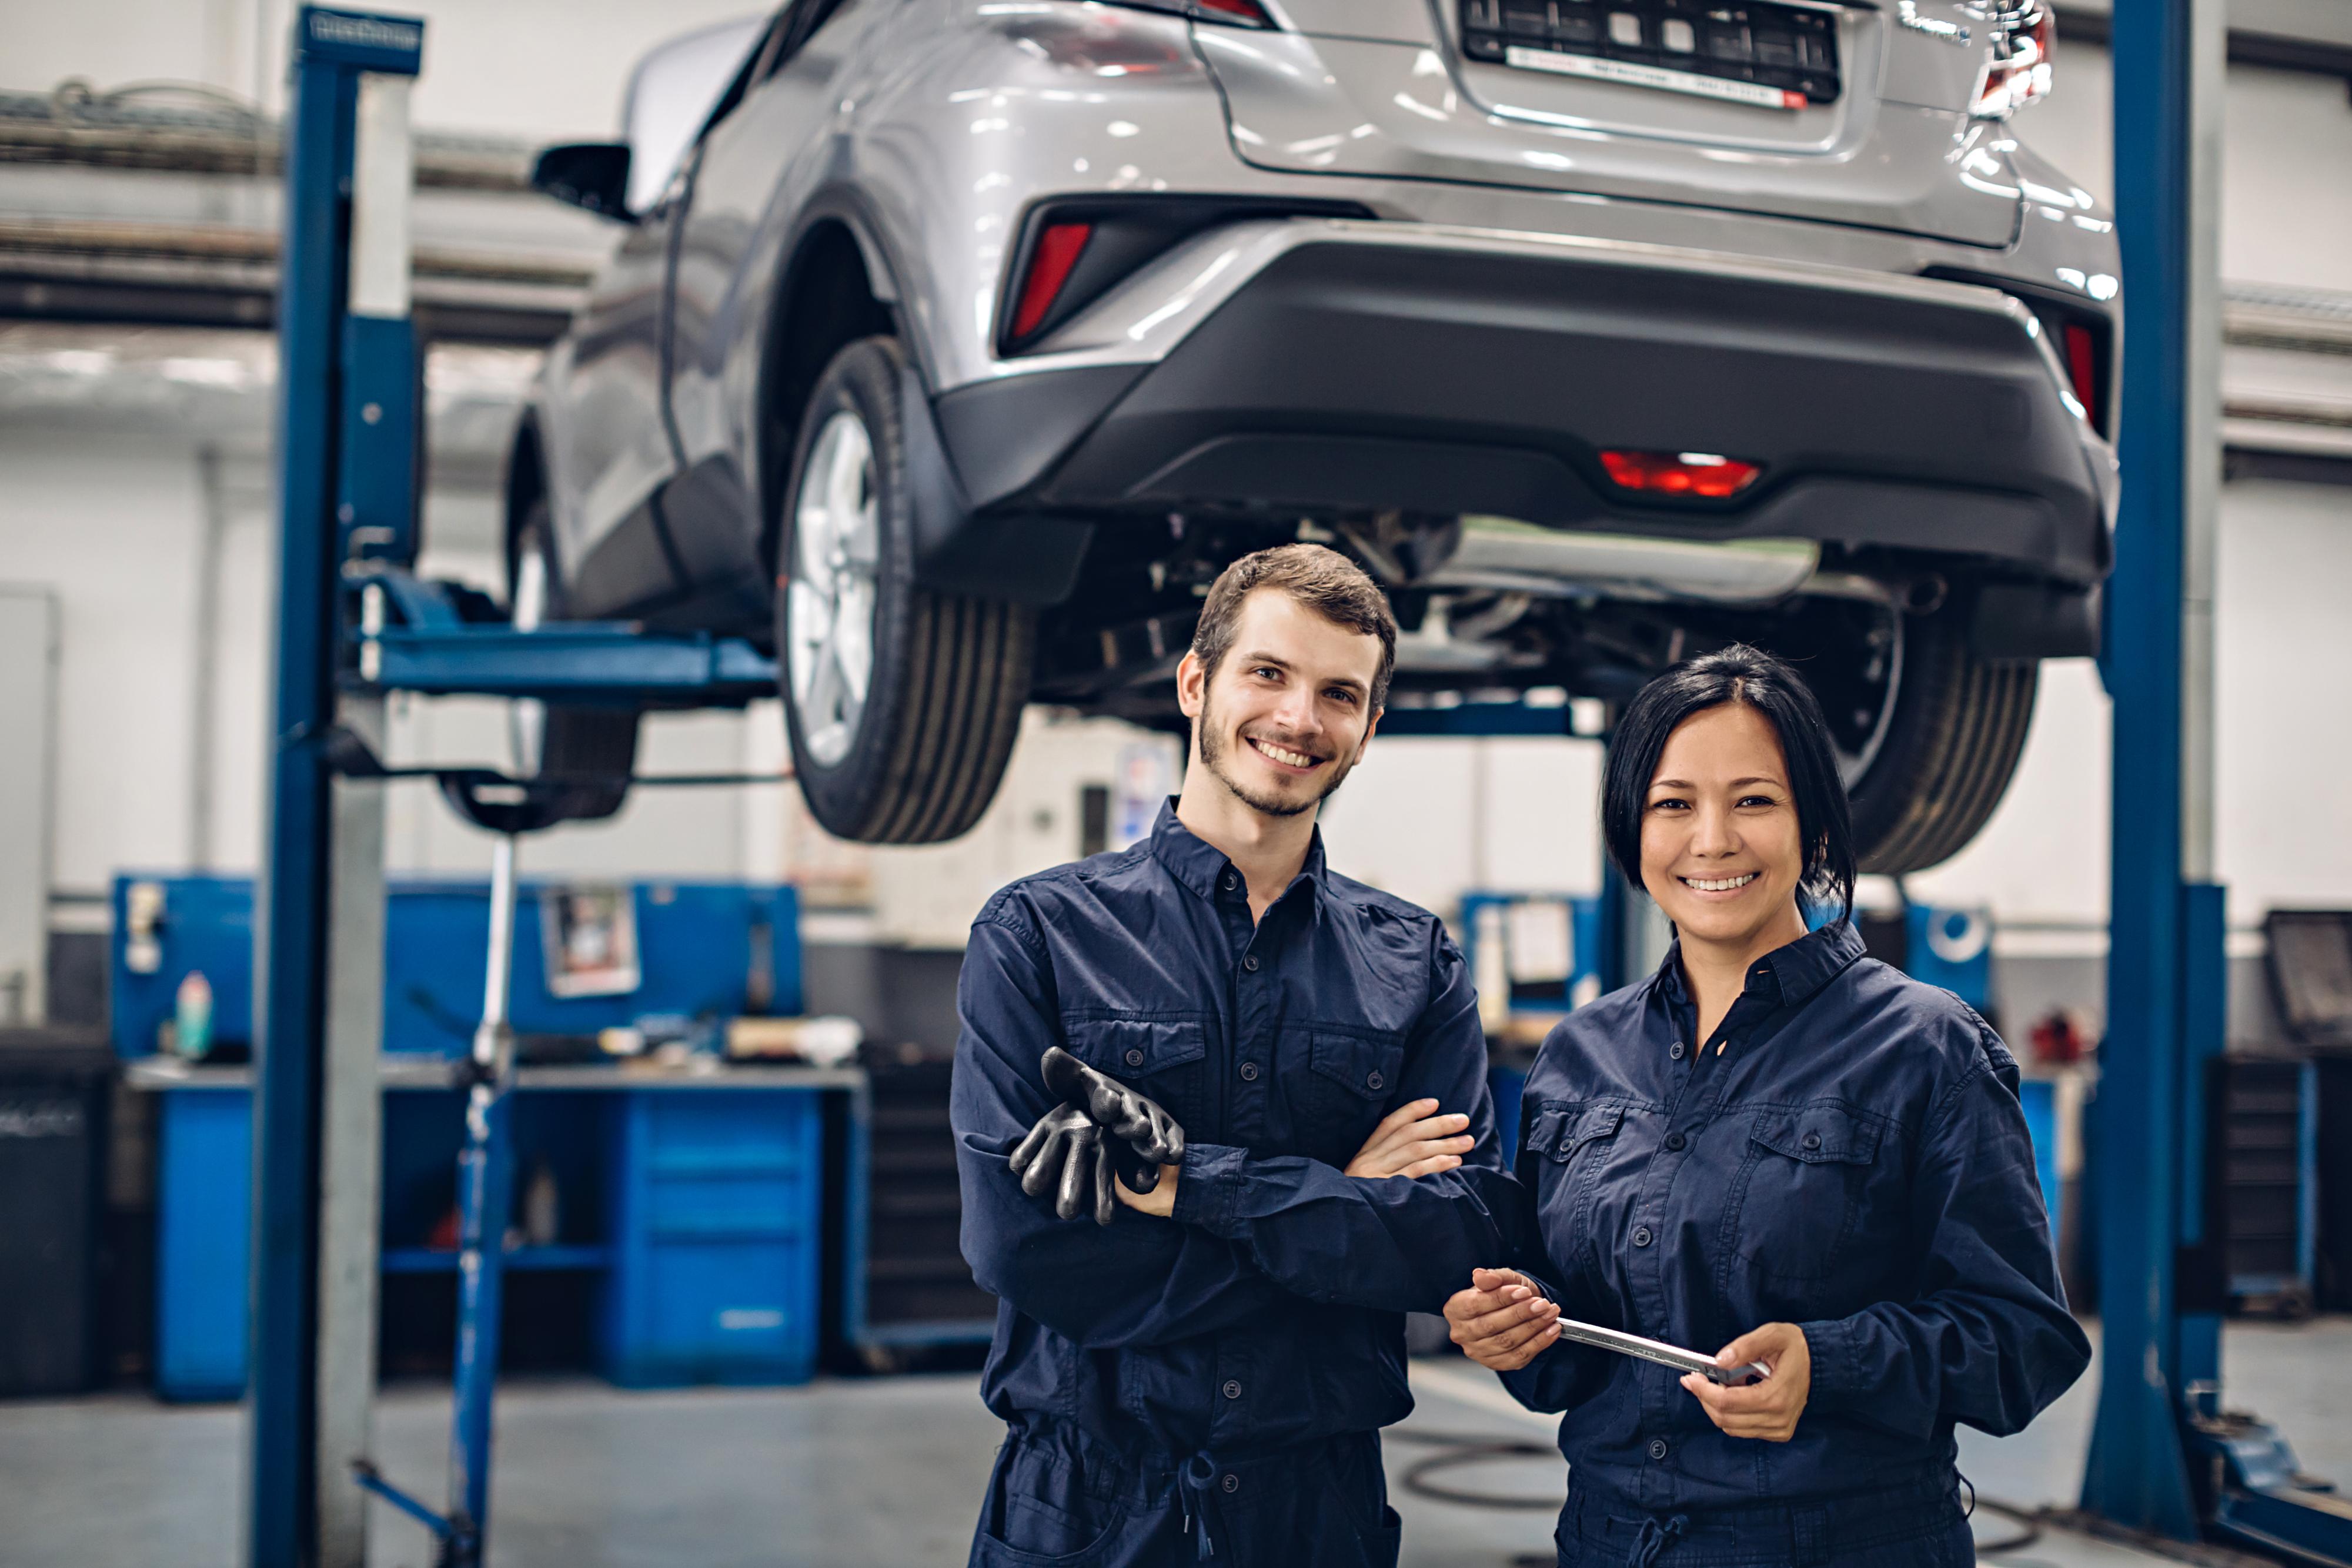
[[1775, 1141]]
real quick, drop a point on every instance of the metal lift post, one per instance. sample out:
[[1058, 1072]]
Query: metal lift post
[[2165, 1457], [346, 457]]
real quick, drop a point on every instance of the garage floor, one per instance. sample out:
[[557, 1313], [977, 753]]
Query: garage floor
[[888, 1471]]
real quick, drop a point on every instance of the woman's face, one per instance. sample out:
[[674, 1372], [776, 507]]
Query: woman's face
[[1720, 851]]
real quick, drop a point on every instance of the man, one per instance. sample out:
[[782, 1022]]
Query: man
[[1207, 1374]]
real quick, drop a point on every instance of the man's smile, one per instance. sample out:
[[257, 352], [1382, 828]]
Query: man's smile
[[1282, 757]]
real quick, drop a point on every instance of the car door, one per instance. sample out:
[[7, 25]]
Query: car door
[[611, 443], [754, 168]]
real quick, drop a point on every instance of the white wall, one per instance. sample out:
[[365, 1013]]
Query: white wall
[[2287, 204]]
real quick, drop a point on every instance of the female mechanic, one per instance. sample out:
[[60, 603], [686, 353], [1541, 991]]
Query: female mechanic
[[1777, 1142]]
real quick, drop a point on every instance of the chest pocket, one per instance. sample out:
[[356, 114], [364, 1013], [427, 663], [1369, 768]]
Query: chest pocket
[[1560, 1161], [1339, 1087], [1803, 1192], [1162, 1056]]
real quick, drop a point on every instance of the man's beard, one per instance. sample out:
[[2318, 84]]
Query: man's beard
[[1213, 749]]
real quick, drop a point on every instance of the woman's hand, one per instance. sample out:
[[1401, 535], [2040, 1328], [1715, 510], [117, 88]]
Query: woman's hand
[[1502, 1322], [1412, 1140], [1767, 1411]]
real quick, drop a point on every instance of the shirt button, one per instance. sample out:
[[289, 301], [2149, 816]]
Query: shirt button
[[1135, 1058], [1640, 1236], [1249, 1071], [1811, 1140], [1228, 884], [1677, 1051], [1231, 1483], [1374, 1080], [1675, 1141], [1233, 1389], [1657, 1448], [1249, 963]]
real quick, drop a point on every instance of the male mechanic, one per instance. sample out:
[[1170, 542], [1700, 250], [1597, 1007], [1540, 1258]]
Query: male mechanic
[[1206, 1376]]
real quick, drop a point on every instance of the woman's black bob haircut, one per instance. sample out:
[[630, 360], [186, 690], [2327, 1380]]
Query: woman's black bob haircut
[[1739, 673]]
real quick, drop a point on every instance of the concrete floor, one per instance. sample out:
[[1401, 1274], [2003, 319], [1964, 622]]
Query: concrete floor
[[888, 1471]]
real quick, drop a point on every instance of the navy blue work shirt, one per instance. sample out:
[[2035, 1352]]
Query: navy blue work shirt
[[1267, 1311], [1846, 1152]]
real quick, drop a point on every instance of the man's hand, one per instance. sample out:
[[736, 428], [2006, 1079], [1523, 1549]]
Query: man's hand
[[1768, 1410], [1160, 1201], [1412, 1140], [1502, 1322]]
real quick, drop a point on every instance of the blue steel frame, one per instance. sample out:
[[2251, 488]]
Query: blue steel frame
[[332, 50], [2165, 967]]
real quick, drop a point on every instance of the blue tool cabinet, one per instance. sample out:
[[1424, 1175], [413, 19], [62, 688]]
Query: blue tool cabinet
[[704, 1237], [714, 1226], [691, 1203]]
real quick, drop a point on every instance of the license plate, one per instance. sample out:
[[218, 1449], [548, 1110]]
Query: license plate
[[1764, 55]]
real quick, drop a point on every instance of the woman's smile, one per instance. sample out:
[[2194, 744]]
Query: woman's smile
[[1718, 886]]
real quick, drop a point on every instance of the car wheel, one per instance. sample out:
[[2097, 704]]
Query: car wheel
[[1928, 735], [901, 703], [597, 747]]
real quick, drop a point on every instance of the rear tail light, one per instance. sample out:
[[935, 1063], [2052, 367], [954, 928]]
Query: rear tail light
[[1701, 473], [2019, 72], [1057, 251], [1239, 13], [1069, 252], [2083, 367]]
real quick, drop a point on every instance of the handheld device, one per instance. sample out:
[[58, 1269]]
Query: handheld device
[[1664, 1355]]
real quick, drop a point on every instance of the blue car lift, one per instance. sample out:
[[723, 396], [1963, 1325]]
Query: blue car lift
[[352, 625], [2165, 1457]]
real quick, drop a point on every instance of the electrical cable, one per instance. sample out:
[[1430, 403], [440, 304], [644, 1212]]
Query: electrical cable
[[1472, 1448]]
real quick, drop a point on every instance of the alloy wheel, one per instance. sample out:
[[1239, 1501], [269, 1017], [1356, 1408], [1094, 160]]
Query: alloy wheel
[[831, 600]]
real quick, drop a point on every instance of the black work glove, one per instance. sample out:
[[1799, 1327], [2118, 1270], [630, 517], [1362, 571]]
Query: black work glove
[[1103, 1131], [1066, 1154], [1126, 1114]]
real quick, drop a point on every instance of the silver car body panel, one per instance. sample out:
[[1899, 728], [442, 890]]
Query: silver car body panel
[[928, 130]]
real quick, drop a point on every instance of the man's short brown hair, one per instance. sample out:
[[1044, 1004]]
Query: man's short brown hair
[[1322, 579]]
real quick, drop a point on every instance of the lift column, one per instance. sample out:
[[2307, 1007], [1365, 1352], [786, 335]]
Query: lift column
[[2166, 976], [347, 457]]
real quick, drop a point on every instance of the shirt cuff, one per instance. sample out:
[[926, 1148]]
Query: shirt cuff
[[1836, 1362], [1209, 1187]]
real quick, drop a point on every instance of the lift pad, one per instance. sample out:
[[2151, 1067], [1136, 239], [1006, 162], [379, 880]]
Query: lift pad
[[446, 640]]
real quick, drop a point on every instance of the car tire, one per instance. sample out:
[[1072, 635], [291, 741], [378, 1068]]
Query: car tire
[[1949, 747], [901, 703], [554, 742]]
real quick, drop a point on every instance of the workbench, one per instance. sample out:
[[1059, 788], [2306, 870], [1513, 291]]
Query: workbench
[[692, 1199]]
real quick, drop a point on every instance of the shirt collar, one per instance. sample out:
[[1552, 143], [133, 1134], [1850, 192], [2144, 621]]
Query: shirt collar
[[1202, 867], [1795, 971]]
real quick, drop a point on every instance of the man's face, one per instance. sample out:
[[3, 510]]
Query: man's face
[[1288, 711]]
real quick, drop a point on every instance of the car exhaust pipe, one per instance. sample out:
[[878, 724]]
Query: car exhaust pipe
[[1505, 555]]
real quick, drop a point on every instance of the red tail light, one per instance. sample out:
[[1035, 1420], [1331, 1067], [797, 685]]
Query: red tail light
[[2019, 72], [1700, 474], [1248, 11], [2083, 367], [1050, 261]]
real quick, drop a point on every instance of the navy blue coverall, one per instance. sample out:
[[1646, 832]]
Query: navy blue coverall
[[1216, 1381], [1845, 1151]]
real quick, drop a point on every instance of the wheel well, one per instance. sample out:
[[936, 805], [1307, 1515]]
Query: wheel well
[[825, 301], [526, 483]]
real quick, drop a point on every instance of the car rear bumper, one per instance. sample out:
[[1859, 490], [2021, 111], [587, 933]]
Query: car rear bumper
[[1345, 367]]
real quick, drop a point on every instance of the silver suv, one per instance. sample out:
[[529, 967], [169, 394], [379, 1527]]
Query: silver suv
[[955, 345]]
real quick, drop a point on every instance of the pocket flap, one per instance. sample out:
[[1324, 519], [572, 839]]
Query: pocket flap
[[1132, 1048], [1365, 1067], [1819, 1134], [1593, 1121]]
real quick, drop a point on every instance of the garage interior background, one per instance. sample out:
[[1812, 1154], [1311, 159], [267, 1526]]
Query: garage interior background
[[135, 512], [136, 528]]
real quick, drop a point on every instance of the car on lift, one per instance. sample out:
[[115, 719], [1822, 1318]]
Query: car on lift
[[952, 346]]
